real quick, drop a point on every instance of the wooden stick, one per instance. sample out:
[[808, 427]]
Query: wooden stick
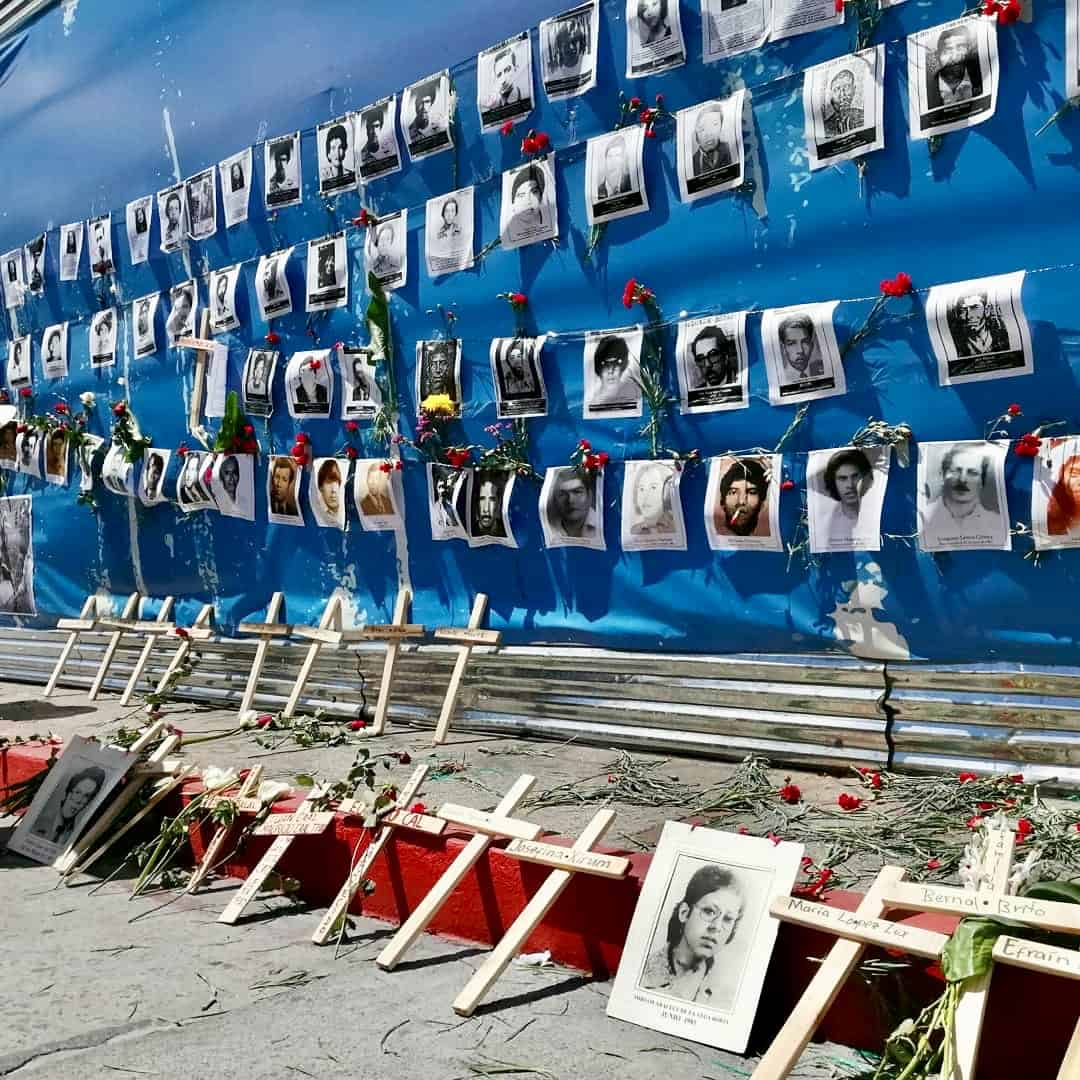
[[265, 866], [272, 614], [86, 614], [340, 907], [479, 610], [198, 383], [401, 618], [148, 735], [828, 980], [110, 649], [144, 656], [454, 874], [477, 987], [1070, 1066], [206, 614], [493, 824], [1047, 914], [217, 841], [331, 618]]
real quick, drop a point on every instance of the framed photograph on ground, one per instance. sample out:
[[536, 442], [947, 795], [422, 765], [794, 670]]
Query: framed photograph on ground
[[376, 138], [701, 937], [504, 82], [73, 790], [568, 51], [843, 104], [17, 555]]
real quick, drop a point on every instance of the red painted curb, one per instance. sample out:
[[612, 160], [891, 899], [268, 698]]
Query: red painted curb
[[587, 927]]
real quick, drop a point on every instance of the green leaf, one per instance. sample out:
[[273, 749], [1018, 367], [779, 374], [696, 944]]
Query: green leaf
[[1064, 892], [304, 780], [969, 952]]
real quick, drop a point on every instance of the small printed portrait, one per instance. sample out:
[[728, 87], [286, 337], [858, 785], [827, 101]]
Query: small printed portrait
[[281, 178], [612, 388], [651, 508], [54, 359], [336, 172], [844, 111], [309, 384], [438, 365], [141, 224], [283, 491], [528, 213], [237, 182], [799, 349], [35, 260], [743, 506], [202, 205], [614, 175], [568, 51], [976, 326], [448, 232], [192, 490], [845, 495], [271, 285], [71, 241], [714, 361], [144, 335], [71, 810], [18, 366], [181, 322], [712, 148], [219, 294], [385, 252], [1055, 493], [518, 377], [116, 471], [56, 457], [425, 108], [448, 490], [504, 82], [571, 508], [652, 22], [373, 490], [171, 210], [232, 485], [327, 493], [448, 229], [953, 74], [376, 136], [235, 173], [802, 357], [843, 107], [258, 379], [489, 502], [155, 464], [1063, 506], [101, 260], [952, 69], [361, 395], [427, 117], [327, 273], [7, 444], [13, 270], [961, 496], [709, 146], [16, 555], [29, 450]]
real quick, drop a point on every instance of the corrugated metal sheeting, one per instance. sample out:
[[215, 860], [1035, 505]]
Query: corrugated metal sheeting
[[804, 710]]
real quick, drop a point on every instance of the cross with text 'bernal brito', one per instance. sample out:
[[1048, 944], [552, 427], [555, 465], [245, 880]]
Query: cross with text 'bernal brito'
[[865, 926], [566, 861]]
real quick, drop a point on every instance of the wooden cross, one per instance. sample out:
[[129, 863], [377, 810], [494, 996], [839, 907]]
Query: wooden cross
[[465, 639], [267, 630], [578, 858], [328, 632], [152, 630], [265, 866], [204, 346], [114, 642], [486, 827], [199, 630], [85, 621], [210, 857], [400, 817]]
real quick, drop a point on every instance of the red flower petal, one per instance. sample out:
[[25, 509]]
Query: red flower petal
[[357, 725], [418, 808], [507, 127], [787, 485]]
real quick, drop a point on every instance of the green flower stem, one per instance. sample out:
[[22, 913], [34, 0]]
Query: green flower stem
[[868, 326]]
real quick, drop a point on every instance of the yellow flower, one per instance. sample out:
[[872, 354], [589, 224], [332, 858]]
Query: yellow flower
[[438, 405]]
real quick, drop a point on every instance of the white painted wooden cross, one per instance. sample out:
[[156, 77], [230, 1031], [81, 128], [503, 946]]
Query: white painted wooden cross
[[465, 640], [266, 632], [200, 630], [85, 621], [486, 826], [328, 632], [127, 614], [579, 858], [152, 630], [244, 804], [400, 817], [204, 347]]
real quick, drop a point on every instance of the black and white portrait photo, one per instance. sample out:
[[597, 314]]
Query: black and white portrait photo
[[386, 251], [56, 456], [99, 230], [172, 217], [528, 213], [337, 163], [361, 397], [143, 325], [615, 175], [85, 454], [504, 82], [489, 508], [326, 492], [327, 273], [709, 141], [448, 232], [802, 358], [272, 285], [35, 265], [572, 508], [235, 176], [568, 51], [701, 937], [611, 360], [283, 491], [742, 503], [1055, 494], [282, 178], [376, 140], [80, 782], [978, 329], [843, 105], [223, 315], [28, 453], [155, 464], [845, 493], [710, 355], [952, 76], [518, 377], [232, 484], [792, 17], [654, 38], [185, 302], [14, 283], [17, 555], [192, 485], [731, 27], [8, 436], [117, 473], [18, 362], [376, 491], [259, 371], [448, 501], [652, 517], [71, 245], [309, 384], [961, 496], [427, 115], [438, 369], [201, 194], [137, 217], [54, 351]]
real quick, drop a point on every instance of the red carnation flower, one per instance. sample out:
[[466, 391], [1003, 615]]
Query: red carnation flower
[[1016, 778], [303, 437], [351, 425], [967, 777], [787, 485], [457, 456], [933, 864], [264, 721], [357, 725], [20, 429], [774, 838], [61, 408], [386, 467], [351, 452], [314, 364], [584, 445], [650, 134], [26, 392], [181, 632], [848, 801], [602, 458], [249, 429], [542, 140], [397, 466], [529, 145], [635, 103], [659, 99], [507, 128], [790, 793], [1024, 829], [647, 115], [418, 808], [1013, 410], [518, 299], [391, 793], [272, 338], [1009, 12], [839, 6], [628, 293], [973, 821], [208, 474], [1027, 445], [251, 446], [990, 7]]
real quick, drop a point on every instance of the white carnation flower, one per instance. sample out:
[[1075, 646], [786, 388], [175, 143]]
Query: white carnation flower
[[272, 790], [215, 779]]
